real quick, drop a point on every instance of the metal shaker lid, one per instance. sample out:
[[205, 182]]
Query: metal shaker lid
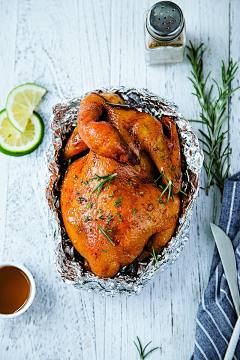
[[165, 21]]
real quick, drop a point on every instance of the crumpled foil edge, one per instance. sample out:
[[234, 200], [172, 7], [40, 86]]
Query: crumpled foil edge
[[63, 119]]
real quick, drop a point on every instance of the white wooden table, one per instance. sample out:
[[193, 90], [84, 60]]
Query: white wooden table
[[71, 47]]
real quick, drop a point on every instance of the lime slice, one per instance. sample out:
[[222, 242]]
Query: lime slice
[[21, 103], [14, 143]]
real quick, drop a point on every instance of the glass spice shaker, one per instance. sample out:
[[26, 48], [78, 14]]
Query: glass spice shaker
[[165, 36]]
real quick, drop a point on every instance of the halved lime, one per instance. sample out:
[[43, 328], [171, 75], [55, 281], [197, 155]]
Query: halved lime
[[21, 103], [14, 143]]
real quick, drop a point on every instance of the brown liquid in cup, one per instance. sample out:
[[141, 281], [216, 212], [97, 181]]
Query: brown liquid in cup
[[14, 289]]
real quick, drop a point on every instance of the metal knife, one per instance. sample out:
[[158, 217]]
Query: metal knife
[[233, 341], [226, 253]]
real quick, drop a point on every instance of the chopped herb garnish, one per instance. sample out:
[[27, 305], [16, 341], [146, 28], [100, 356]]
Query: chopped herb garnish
[[81, 181], [100, 186], [89, 205], [136, 208], [101, 229], [149, 217], [160, 201], [104, 250], [130, 182], [118, 204], [174, 167], [110, 217], [111, 196], [69, 161], [81, 199], [101, 217], [96, 219], [87, 218], [175, 217], [90, 229], [94, 155], [74, 176], [77, 192], [62, 150], [108, 229], [141, 192], [117, 201], [120, 197], [134, 213], [119, 216], [66, 172], [99, 210], [86, 182]]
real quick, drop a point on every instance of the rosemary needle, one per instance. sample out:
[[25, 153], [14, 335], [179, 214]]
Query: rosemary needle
[[121, 105], [101, 229]]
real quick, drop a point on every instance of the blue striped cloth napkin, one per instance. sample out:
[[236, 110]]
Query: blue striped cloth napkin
[[216, 315]]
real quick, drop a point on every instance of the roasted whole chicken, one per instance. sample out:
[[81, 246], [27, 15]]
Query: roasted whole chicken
[[121, 199]]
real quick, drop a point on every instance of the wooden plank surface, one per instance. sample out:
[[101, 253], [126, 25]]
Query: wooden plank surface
[[71, 47]]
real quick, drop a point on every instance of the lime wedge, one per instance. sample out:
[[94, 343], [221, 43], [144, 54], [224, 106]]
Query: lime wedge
[[14, 143], [21, 103]]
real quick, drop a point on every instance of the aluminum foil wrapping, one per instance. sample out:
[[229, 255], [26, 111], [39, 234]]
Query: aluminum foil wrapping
[[132, 278]]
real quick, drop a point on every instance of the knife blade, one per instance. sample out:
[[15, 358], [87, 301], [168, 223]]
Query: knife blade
[[233, 341], [225, 249]]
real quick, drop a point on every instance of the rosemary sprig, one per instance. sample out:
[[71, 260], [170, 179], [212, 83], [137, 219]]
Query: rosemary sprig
[[212, 116], [141, 350], [121, 105], [154, 255], [107, 178], [169, 186], [101, 229]]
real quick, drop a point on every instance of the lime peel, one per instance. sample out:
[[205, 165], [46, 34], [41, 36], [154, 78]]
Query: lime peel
[[14, 143], [21, 102]]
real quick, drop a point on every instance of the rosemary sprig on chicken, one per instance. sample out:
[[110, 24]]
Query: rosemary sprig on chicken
[[107, 178], [169, 187]]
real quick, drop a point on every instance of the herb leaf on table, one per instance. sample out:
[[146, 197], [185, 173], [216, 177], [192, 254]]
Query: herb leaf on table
[[142, 350], [213, 116]]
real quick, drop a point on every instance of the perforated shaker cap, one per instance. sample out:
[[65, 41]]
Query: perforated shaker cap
[[165, 21]]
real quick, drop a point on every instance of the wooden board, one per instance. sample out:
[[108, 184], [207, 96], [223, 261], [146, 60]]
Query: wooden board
[[71, 47]]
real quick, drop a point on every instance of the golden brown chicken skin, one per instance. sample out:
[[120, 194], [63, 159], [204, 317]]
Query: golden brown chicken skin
[[111, 227], [125, 133], [128, 211]]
